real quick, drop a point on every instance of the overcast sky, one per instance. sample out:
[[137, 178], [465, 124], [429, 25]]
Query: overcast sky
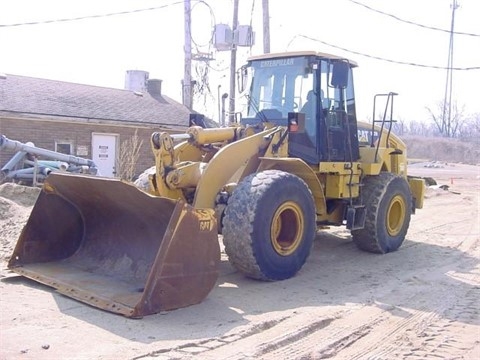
[[98, 51]]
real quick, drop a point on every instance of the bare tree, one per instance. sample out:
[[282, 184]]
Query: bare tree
[[470, 128], [129, 154], [447, 124], [474, 125], [418, 128], [399, 127]]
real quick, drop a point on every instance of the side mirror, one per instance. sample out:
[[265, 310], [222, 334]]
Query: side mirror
[[340, 74], [242, 78]]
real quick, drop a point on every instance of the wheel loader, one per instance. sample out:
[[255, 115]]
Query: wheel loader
[[295, 162]]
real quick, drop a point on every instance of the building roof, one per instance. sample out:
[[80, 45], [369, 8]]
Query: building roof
[[58, 99]]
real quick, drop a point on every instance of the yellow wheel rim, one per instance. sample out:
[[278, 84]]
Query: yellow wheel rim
[[396, 215], [286, 231]]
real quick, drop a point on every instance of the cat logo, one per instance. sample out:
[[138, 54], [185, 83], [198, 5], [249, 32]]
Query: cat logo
[[205, 225]]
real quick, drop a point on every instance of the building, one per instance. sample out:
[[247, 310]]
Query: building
[[88, 121]]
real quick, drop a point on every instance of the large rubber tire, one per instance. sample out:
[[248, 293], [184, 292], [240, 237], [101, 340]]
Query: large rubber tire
[[388, 210], [269, 225], [142, 181]]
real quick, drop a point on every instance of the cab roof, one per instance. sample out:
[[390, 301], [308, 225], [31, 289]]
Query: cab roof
[[300, 53]]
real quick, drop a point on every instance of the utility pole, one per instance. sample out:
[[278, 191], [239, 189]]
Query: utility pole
[[187, 77], [233, 65], [447, 113], [266, 27]]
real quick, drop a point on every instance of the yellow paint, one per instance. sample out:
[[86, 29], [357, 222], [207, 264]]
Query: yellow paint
[[303, 171], [225, 164], [286, 230], [417, 187]]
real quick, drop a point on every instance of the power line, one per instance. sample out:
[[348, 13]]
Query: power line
[[383, 59], [216, 69], [411, 22], [92, 16], [212, 23]]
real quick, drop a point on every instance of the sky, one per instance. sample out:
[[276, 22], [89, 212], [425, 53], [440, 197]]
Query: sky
[[98, 51]]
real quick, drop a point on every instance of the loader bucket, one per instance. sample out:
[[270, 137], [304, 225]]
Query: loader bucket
[[108, 244]]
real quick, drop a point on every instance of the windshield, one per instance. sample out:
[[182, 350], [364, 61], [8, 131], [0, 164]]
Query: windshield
[[297, 84], [280, 84]]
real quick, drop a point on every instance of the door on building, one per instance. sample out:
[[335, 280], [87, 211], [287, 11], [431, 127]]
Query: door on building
[[104, 153]]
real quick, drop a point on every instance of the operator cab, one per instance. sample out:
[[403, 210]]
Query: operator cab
[[311, 90]]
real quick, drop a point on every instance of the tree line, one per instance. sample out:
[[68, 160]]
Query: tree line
[[458, 125]]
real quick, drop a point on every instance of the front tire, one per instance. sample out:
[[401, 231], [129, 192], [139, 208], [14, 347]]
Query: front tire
[[388, 203], [269, 225]]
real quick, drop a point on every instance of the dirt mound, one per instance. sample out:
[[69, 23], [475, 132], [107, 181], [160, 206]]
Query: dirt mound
[[22, 195], [16, 202]]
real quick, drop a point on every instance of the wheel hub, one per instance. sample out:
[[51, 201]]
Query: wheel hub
[[287, 228], [396, 215]]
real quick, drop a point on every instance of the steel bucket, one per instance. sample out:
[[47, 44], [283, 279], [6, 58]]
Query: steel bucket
[[108, 244]]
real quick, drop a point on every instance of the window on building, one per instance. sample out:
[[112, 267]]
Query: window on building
[[64, 147]]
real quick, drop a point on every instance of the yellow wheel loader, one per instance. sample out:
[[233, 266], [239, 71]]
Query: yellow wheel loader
[[296, 161]]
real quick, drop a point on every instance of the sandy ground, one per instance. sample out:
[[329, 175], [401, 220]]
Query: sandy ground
[[417, 303]]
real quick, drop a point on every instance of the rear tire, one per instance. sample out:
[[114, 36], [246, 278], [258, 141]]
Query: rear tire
[[269, 225], [388, 210]]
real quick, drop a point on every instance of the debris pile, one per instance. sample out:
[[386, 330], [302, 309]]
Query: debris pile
[[25, 167]]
